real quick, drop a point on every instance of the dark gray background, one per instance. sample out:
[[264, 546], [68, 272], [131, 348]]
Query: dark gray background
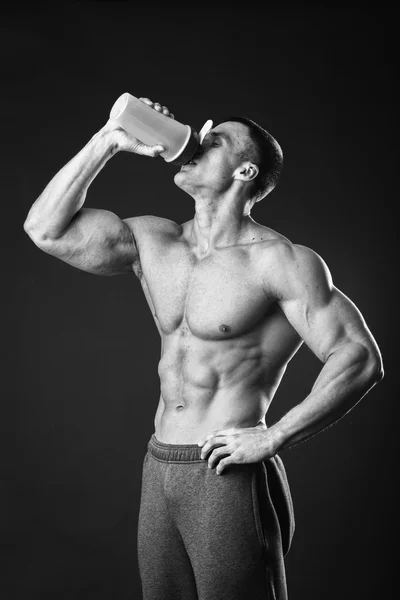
[[81, 352]]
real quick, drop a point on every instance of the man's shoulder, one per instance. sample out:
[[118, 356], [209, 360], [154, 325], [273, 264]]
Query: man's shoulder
[[292, 255], [287, 265], [275, 247], [149, 225]]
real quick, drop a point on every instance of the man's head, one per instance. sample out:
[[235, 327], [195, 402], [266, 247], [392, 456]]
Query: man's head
[[236, 154], [263, 150]]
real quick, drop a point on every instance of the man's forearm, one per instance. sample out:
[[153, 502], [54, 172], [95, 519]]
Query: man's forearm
[[346, 377], [64, 196]]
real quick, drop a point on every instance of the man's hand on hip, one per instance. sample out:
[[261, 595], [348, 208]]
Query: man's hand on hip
[[238, 446]]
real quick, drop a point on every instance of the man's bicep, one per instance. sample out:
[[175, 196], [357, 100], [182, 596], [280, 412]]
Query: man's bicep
[[327, 326], [97, 241], [322, 315]]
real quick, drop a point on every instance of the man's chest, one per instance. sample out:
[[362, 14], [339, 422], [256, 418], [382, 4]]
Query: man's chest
[[217, 297]]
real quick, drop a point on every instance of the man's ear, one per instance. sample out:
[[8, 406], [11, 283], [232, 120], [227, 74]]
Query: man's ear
[[246, 172]]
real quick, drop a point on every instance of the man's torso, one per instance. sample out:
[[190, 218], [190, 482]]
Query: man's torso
[[225, 339]]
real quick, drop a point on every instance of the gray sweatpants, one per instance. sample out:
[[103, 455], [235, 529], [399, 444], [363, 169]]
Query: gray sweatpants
[[204, 536]]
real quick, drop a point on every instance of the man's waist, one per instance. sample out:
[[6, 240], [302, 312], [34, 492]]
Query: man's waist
[[185, 420]]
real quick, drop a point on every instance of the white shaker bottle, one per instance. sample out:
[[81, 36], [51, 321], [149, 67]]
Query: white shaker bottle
[[152, 127]]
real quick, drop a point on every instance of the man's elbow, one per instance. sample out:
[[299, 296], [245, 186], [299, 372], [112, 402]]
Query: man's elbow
[[27, 226], [37, 233], [35, 236], [367, 362], [374, 366], [31, 229]]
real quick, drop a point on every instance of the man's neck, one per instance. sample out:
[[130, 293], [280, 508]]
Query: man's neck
[[218, 223]]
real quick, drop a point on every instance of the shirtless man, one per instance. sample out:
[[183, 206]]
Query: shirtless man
[[233, 301]]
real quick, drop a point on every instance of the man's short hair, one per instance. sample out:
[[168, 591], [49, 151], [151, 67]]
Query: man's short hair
[[265, 152]]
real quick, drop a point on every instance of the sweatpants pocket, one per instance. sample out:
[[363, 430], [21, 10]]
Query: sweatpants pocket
[[255, 495]]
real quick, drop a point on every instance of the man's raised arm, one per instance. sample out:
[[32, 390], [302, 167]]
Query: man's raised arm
[[93, 240]]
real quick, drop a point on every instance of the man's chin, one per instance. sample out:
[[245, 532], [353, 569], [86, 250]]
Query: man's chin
[[179, 178]]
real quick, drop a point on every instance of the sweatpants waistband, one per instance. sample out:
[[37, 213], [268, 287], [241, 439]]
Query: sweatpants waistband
[[174, 452]]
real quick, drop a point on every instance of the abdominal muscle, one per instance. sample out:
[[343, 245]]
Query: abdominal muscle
[[210, 385]]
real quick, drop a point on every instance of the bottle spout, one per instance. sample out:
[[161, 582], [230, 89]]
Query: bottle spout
[[204, 130]]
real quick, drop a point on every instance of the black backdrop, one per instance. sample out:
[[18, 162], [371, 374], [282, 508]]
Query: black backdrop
[[80, 352]]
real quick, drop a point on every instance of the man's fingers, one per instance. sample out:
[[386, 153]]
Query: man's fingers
[[217, 434], [208, 437], [229, 460], [158, 107], [216, 455], [166, 112], [210, 446]]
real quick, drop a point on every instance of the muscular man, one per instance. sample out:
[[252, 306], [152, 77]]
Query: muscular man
[[233, 301]]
